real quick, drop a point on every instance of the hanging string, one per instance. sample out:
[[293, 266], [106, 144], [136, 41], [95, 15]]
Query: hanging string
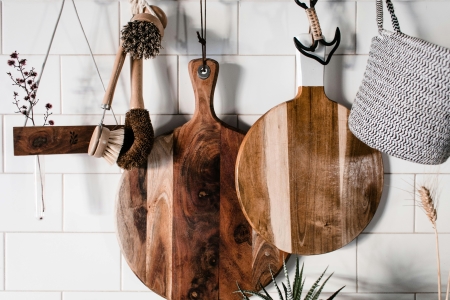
[[93, 59], [202, 37]]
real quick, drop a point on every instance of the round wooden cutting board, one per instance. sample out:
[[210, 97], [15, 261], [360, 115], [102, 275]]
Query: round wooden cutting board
[[304, 181], [179, 222]]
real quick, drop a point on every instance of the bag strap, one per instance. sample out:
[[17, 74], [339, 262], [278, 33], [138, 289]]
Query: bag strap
[[394, 19]]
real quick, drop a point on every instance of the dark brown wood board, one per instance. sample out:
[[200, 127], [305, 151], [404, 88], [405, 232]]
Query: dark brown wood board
[[35, 140], [304, 181], [179, 222]]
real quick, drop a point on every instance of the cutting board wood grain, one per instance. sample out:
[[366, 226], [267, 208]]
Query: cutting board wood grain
[[179, 221], [35, 140], [304, 181]]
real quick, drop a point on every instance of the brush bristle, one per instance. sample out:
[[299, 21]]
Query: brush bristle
[[141, 39], [115, 143], [138, 140]]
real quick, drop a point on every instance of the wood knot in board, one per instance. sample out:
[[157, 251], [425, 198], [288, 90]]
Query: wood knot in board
[[202, 194], [242, 234], [194, 294], [39, 142]]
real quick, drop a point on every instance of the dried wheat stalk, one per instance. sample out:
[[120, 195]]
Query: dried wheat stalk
[[430, 211]]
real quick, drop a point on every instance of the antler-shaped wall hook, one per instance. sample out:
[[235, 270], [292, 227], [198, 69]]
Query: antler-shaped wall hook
[[316, 34]]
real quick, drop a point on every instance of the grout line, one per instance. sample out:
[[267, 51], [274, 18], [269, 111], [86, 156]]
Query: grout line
[[3, 143]]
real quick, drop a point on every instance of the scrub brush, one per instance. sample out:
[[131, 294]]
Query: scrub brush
[[141, 37]]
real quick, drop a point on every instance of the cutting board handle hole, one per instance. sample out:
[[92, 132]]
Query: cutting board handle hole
[[203, 72]]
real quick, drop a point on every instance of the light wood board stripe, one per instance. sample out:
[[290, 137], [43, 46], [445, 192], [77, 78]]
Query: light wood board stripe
[[277, 175], [160, 203]]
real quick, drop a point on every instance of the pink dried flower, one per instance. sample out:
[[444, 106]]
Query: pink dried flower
[[51, 122], [25, 73], [34, 86], [48, 106], [14, 54], [16, 94], [32, 73], [23, 62], [24, 112], [24, 107], [29, 81], [11, 62], [27, 98], [33, 96]]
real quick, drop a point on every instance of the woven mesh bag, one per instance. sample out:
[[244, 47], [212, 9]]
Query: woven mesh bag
[[402, 107]]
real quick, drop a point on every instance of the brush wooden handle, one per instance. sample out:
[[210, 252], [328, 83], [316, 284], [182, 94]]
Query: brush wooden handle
[[118, 64], [136, 101]]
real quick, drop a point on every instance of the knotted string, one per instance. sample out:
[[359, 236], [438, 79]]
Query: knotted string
[[202, 36]]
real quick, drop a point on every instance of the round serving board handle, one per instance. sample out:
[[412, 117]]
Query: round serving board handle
[[204, 88]]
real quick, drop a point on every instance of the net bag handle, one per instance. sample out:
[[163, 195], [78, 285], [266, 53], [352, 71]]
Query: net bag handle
[[394, 19]]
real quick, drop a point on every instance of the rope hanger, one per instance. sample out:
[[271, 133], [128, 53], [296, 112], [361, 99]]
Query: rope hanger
[[204, 71]]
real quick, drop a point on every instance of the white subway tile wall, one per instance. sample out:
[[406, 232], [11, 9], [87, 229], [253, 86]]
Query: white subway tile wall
[[73, 253]]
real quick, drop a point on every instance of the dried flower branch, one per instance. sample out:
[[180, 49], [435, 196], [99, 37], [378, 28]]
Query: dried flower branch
[[26, 81], [430, 210]]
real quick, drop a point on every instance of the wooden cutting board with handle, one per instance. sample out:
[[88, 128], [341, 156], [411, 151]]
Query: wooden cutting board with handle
[[304, 181], [179, 222]]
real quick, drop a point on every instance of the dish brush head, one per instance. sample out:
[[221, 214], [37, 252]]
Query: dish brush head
[[115, 143], [141, 39], [107, 144], [138, 142]]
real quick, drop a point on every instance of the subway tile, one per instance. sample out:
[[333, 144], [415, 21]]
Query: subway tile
[[342, 262], [246, 84], [422, 19], [62, 261], [130, 282], [389, 263], [247, 121], [165, 123], [269, 27], [183, 17], [111, 296], [439, 188], [89, 202], [343, 76], [82, 91], [397, 165], [18, 208], [29, 31], [61, 163], [395, 212], [49, 86], [30, 296]]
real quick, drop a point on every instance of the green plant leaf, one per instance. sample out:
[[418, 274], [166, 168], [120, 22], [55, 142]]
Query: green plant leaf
[[288, 290], [335, 293], [314, 286], [316, 295], [276, 285], [298, 285], [245, 297]]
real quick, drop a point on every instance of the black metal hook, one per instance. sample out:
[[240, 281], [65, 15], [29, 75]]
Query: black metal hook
[[304, 49]]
